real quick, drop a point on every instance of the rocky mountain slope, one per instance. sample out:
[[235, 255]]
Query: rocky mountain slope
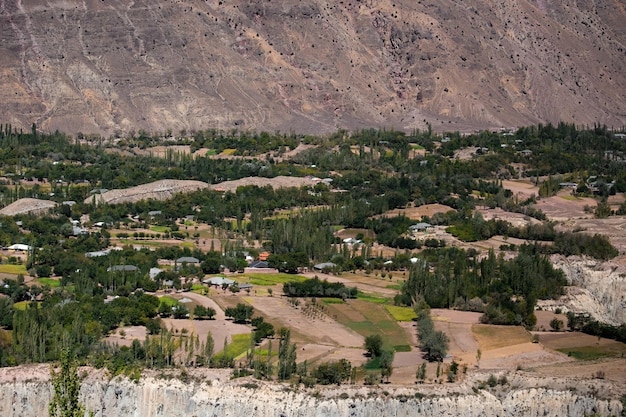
[[29, 395], [114, 66]]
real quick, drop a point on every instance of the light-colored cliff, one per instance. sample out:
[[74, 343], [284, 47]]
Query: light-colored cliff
[[27, 394], [597, 288]]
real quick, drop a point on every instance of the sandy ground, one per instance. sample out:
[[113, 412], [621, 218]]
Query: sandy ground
[[416, 213], [564, 207], [523, 188], [516, 219]]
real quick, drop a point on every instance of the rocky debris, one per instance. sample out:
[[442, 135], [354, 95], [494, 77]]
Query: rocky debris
[[28, 205], [28, 395], [166, 189], [280, 181], [158, 190]]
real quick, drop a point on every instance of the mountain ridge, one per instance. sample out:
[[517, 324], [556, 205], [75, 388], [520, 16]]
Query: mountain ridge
[[116, 67]]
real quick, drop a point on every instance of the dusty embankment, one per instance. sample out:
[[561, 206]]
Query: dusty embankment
[[26, 392]]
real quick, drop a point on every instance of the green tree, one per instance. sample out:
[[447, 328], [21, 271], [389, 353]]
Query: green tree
[[421, 372], [66, 384], [386, 364], [374, 345], [240, 313], [286, 355], [556, 324]]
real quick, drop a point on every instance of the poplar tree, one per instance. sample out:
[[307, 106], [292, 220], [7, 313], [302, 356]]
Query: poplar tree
[[66, 384]]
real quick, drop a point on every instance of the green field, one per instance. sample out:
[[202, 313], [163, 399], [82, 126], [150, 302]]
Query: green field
[[168, 301], [238, 347], [367, 318], [270, 279], [160, 229], [401, 313], [51, 282], [332, 300], [588, 353], [371, 298], [13, 269]]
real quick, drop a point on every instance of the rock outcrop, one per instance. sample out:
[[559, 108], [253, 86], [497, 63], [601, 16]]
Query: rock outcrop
[[119, 397]]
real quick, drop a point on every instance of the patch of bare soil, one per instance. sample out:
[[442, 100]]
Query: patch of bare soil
[[161, 151], [321, 329], [545, 317], [465, 154], [523, 188], [607, 369], [124, 336], [353, 233], [564, 208], [521, 356], [458, 326], [416, 213]]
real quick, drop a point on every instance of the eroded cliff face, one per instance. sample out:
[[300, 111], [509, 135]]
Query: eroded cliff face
[[150, 396], [597, 288], [108, 66]]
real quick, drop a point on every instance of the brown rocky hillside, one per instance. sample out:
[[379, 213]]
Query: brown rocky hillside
[[112, 66]]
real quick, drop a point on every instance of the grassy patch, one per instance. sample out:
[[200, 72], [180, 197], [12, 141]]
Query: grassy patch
[[21, 305], [198, 288], [211, 152], [271, 279], [239, 345], [371, 298], [493, 337], [51, 282], [228, 152], [337, 227], [160, 229], [396, 287], [168, 301], [332, 301], [13, 269], [372, 364], [589, 353], [265, 352], [402, 348], [401, 313], [416, 146]]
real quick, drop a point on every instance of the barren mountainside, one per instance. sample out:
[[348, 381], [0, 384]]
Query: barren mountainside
[[116, 66]]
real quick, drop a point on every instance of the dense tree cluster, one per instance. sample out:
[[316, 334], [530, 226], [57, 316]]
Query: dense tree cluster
[[433, 342], [508, 288], [315, 287]]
